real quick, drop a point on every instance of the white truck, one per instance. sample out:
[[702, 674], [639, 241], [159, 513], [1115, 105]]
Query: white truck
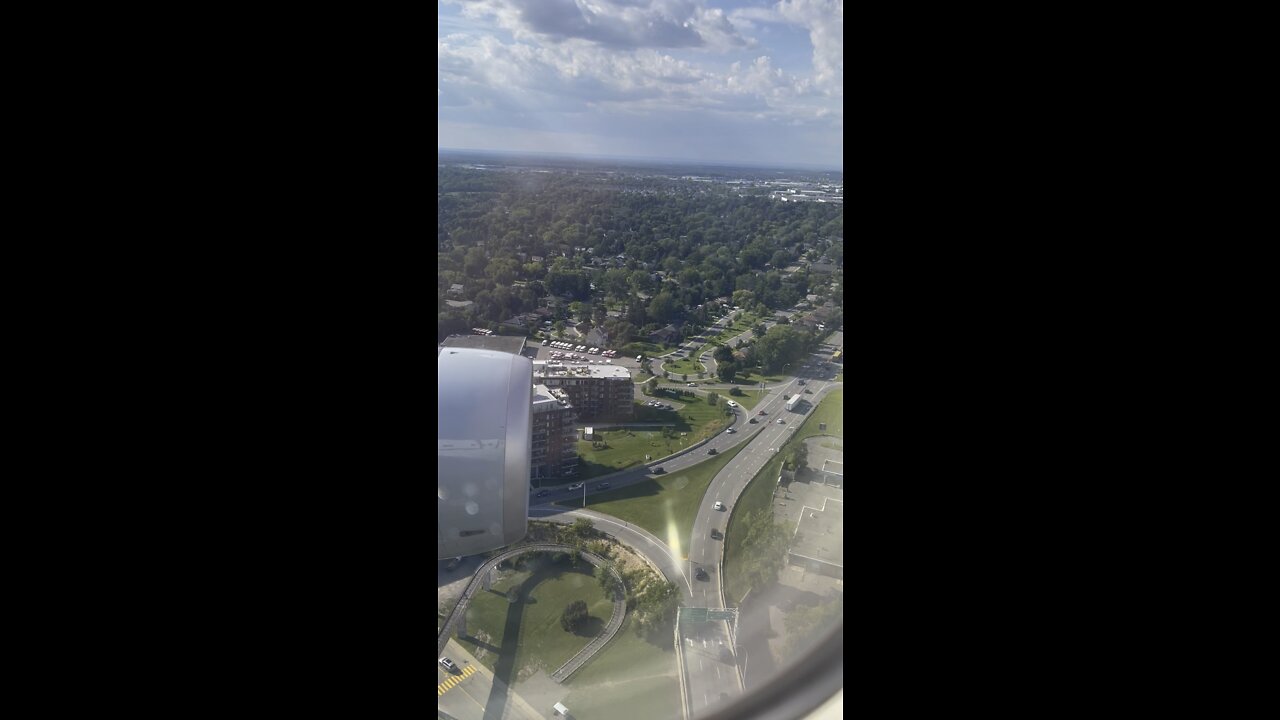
[[794, 401]]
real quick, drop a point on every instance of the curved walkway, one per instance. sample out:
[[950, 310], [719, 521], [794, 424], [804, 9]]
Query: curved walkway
[[578, 660]]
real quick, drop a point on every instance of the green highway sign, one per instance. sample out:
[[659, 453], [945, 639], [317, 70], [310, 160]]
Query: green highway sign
[[693, 615]]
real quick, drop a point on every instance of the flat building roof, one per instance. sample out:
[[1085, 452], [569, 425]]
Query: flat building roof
[[502, 343], [559, 369]]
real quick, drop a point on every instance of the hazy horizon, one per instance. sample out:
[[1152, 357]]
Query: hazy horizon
[[686, 162]]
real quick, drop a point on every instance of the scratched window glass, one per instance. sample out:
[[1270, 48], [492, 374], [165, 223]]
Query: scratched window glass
[[640, 304]]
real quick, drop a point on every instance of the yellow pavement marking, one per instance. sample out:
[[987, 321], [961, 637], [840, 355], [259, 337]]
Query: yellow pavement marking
[[447, 685]]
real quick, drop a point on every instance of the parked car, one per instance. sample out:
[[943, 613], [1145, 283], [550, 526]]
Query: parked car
[[447, 664]]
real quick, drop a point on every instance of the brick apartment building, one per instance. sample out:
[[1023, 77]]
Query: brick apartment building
[[555, 437], [598, 392]]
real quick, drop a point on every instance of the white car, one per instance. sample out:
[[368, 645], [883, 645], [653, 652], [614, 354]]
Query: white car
[[731, 403], [719, 505], [576, 486]]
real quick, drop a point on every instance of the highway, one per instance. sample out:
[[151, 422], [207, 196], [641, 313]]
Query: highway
[[710, 671]]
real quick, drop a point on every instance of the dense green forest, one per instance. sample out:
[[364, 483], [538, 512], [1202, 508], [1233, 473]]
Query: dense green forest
[[654, 248]]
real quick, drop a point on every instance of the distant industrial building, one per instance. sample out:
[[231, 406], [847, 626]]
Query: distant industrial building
[[598, 392], [555, 448]]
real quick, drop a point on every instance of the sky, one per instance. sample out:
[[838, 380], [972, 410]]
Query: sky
[[751, 82]]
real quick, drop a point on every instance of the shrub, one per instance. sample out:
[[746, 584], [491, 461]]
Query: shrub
[[574, 616]]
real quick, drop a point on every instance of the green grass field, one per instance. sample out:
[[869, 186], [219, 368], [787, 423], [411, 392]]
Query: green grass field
[[666, 505], [628, 446], [527, 635], [632, 679], [759, 492], [682, 366], [748, 399], [753, 377], [640, 347]]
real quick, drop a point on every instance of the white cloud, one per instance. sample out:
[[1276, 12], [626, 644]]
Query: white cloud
[[605, 76], [825, 21], [612, 23]]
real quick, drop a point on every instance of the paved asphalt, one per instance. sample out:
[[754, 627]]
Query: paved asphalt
[[710, 672]]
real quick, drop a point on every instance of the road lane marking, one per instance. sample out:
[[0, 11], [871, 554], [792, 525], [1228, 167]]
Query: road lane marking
[[450, 683]]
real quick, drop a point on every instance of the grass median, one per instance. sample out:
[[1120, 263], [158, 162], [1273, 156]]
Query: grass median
[[759, 492]]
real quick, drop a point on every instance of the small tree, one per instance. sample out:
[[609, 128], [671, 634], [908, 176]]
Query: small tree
[[574, 616], [685, 377], [583, 528], [713, 398], [736, 391]]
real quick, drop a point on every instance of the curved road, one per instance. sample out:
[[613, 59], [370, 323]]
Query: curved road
[[639, 539]]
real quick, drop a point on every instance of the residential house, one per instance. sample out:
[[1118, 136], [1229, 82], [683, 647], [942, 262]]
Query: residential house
[[598, 338]]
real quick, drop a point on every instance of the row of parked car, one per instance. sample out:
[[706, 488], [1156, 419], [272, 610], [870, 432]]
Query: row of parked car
[[561, 345]]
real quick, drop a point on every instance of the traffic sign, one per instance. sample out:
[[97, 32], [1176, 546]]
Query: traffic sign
[[693, 615]]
